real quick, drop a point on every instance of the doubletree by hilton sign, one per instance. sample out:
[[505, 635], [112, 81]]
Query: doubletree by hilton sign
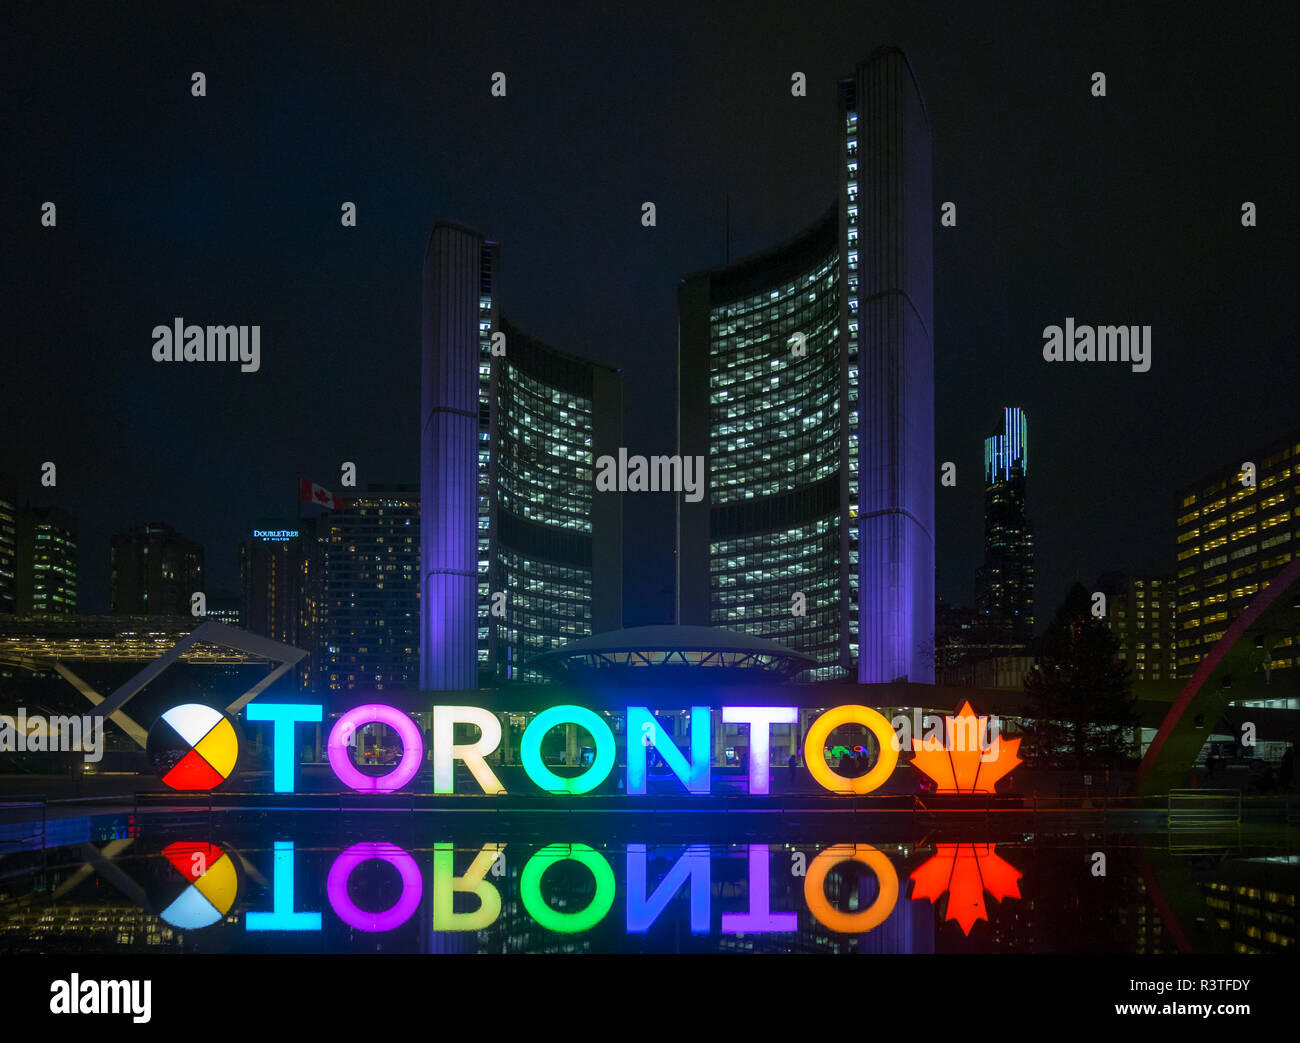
[[193, 747]]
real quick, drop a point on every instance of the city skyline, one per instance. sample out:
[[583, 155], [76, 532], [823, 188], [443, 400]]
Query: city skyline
[[506, 478], [334, 378]]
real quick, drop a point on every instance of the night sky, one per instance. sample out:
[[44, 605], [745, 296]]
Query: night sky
[[225, 210]]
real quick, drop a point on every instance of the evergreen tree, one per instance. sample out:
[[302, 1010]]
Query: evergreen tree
[[1079, 689]]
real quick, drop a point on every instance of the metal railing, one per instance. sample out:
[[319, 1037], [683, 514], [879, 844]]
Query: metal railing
[[1204, 809]]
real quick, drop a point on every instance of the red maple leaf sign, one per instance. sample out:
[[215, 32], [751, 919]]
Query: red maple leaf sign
[[965, 871]]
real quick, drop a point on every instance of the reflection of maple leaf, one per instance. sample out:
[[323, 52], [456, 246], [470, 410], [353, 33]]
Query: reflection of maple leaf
[[964, 764], [965, 871]]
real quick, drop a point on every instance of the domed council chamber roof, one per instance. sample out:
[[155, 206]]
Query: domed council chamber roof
[[672, 654]]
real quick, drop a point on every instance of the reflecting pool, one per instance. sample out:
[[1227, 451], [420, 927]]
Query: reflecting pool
[[114, 884]]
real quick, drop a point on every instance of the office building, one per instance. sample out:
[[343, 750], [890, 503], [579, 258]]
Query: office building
[[155, 571], [519, 552], [1004, 584], [1142, 613], [282, 575], [371, 605], [806, 383], [46, 562], [1232, 538]]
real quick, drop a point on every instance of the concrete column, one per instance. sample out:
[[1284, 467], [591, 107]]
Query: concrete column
[[896, 373], [449, 461]]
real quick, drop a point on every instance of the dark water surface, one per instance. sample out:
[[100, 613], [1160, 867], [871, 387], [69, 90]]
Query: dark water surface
[[399, 883]]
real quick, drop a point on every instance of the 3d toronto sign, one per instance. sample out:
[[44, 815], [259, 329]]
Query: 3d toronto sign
[[962, 754]]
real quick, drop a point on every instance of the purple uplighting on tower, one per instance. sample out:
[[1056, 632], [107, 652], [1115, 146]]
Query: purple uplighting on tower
[[895, 363], [449, 459]]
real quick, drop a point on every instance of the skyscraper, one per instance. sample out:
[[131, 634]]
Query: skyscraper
[[1004, 584], [282, 569], [155, 570], [371, 605], [806, 382], [1232, 538], [46, 562], [519, 552]]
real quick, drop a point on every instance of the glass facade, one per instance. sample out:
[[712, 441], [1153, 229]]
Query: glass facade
[[1141, 610], [1004, 584], [46, 567], [551, 604], [372, 592], [519, 553], [755, 579], [820, 449], [775, 451], [774, 415], [1231, 540], [539, 521], [545, 464]]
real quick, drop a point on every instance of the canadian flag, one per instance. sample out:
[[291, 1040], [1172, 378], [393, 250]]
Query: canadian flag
[[318, 494]]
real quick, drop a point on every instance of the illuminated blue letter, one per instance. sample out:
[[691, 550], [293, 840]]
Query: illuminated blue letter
[[642, 912], [284, 716], [643, 731], [282, 917]]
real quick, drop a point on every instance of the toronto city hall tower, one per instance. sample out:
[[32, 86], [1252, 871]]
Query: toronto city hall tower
[[518, 553], [806, 381], [806, 386]]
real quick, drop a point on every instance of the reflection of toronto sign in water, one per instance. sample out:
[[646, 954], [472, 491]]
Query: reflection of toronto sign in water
[[963, 871], [964, 760]]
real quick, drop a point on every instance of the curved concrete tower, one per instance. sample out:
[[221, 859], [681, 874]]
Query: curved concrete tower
[[821, 463]]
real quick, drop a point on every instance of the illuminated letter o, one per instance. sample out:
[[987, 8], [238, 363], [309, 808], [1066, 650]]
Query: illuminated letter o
[[868, 919], [530, 749], [530, 888], [378, 713], [815, 742], [336, 887]]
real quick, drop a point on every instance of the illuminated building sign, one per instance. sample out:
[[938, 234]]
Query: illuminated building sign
[[275, 535], [197, 748]]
